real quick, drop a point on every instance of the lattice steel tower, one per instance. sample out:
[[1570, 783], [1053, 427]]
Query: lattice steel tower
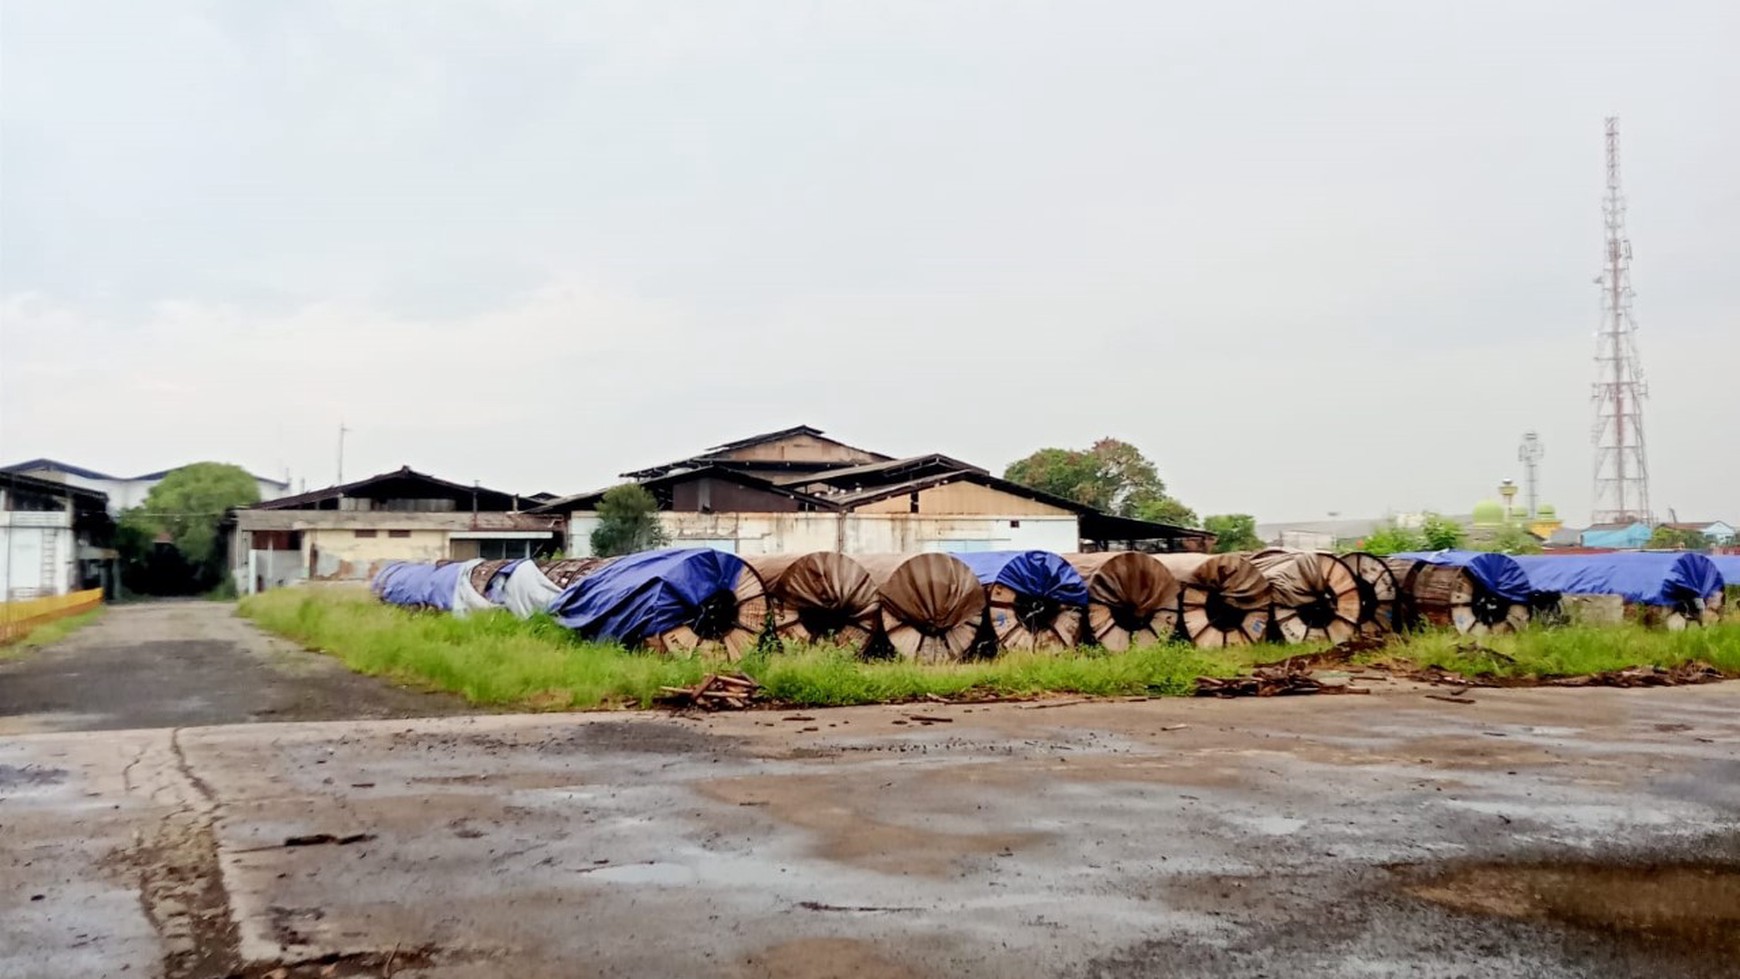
[[1621, 469]]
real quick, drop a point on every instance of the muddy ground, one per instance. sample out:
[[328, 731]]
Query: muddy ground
[[1538, 833], [185, 663]]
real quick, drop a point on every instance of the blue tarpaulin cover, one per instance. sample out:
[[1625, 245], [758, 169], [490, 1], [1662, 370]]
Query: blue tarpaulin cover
[[1729, 565], [1041, 574], [1643, 578], [1498, 573], [419, 584], [642, 595]]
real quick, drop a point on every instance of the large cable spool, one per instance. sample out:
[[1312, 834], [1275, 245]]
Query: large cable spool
[[1223, 598], [1453, 596], [1377, 592], [822, 596], [1131, 599], [932, 605], [1313, 595]]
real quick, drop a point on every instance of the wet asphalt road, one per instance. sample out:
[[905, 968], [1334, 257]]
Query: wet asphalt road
[[1545, 834], [188, 663]]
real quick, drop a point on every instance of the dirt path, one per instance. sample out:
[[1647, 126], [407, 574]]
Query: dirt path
[[1538, 834], [188, 663]]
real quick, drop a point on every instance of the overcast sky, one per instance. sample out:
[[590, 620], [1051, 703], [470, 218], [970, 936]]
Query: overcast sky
[[1310, 257]]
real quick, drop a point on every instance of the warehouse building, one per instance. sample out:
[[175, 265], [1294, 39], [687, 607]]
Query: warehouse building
[[347, 533], [796, 490], [55, 539]]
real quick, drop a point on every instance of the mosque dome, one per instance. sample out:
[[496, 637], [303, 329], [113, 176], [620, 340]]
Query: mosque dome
[[1488, 513]]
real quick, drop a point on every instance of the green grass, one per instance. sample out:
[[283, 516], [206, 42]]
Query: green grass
[[50, 632], [494, 659]]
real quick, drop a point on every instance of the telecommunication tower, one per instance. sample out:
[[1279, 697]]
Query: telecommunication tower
[[1621, 468], [1529, 454]]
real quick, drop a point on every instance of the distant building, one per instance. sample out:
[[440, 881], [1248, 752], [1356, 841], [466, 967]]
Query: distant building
[[348, 532], [55, 538], [1717, 532], [797, 490], [123, 492], [1619, 536]]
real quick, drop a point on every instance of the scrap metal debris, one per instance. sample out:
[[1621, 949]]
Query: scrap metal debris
[[714, 692]]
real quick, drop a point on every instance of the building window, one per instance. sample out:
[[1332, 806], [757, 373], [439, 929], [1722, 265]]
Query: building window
[[1014, 523], [400, 534], [366, 533]]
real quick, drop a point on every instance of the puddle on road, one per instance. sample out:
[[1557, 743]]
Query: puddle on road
[[1692, 906]]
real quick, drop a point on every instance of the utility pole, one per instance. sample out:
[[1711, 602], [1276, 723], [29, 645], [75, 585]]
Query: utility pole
[[1621, 468], [341, 431], [1529, 454]]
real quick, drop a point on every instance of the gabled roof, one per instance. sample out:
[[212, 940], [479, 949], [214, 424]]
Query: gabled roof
[[716, 454], [55, 465], [373, 487], [1096, 526], [873, 474], [589, 500], [857, 498], [1699, 525]]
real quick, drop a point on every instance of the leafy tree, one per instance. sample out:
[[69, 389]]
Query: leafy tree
[[1666, 538], [1509, 539], [1111, 476], [1442, 533], [1233, 532], [186, 508], [628, 521], [1394, 539]]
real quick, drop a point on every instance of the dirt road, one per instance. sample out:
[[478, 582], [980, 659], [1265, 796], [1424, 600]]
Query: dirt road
[[184, 663], [1537, 833]]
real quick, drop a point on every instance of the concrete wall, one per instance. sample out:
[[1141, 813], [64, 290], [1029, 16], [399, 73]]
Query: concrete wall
[[332, 551], [852, 533], [38, 554]]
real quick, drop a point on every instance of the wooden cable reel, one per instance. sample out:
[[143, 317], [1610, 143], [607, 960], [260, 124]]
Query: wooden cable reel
[[1019, 621], [932, 605], [1688, 612], [1377, 592], [1450, 596], [822, 596], [728, 622], [483, 573], [1313, 595], [1131, 599], [1223, 598], [569, 570]]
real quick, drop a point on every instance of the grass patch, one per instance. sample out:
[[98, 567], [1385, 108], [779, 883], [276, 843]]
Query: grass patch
[[495, 659], [50, 632]]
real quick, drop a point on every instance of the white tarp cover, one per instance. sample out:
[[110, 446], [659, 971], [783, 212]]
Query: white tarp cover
[[527, 592], [466, 600]]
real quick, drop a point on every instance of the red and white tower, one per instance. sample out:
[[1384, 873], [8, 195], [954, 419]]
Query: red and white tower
[[1621, 469]]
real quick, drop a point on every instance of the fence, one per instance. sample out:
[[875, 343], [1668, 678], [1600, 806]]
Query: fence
[[18, 618]]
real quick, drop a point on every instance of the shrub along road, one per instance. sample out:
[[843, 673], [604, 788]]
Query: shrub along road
[[182, 663]]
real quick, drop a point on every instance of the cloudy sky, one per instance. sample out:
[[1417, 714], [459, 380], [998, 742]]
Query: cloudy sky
[[1317, 257]]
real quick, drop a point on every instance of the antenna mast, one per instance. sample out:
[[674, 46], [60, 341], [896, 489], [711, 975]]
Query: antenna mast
[[1621, 469], [1529, 454]]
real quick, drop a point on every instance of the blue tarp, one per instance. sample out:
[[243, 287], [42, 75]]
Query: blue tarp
[[1622, 538], [1041, 574], [1729, 565], [1645, 578], [1498, 573], [424, 585], [643, 595]]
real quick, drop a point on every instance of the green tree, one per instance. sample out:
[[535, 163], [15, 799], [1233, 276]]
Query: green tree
[[1394, 539], [1666, 538], [1509, 539], [1442, 533], [628, 521], [1233, 532], [187, 507], [1111, 476]]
